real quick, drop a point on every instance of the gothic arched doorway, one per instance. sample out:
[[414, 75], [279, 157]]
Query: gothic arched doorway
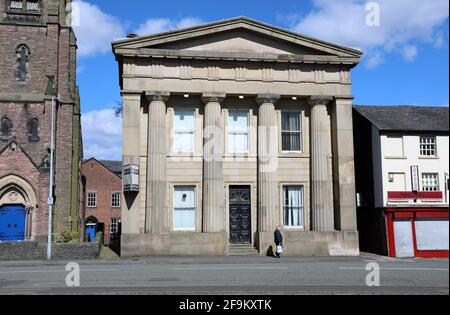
[[17, 202]]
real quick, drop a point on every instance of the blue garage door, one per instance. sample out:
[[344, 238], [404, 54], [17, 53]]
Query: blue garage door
[[12, 223]]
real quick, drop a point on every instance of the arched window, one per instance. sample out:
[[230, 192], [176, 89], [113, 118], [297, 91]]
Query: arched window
[[33, 130], [22, 70], [6, 128]]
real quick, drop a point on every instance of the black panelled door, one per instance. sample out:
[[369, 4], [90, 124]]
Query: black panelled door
[[240, 220]]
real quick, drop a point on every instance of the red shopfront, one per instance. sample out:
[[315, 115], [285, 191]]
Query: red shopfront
[[417, 231]]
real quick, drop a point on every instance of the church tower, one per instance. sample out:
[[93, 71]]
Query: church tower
[[38, 64]]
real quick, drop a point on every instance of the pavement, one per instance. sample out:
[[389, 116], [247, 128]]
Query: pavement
[[229, 276]]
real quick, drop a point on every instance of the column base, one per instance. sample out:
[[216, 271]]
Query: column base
[[312, 243], [174, 244]]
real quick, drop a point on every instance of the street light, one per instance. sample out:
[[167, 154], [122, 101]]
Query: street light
[[50, 200]]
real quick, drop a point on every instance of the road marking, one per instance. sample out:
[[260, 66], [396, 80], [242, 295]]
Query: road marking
[[230, 268], [52, 271], [387, 268]]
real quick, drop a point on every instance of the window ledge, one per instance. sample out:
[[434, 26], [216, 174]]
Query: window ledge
[[395, 157], [423, 157], [294, 228], [293, 154], [240, 155], [184, 155]]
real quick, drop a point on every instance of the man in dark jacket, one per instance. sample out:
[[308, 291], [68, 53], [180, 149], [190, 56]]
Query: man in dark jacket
[[278, 240]]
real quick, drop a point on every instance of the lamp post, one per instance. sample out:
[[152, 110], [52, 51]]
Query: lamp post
[[50, 200]]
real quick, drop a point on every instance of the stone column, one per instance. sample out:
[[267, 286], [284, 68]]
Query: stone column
[[343, 165], [268, 208], [321, 181], [131, 155], [213, 183], [156, 217]]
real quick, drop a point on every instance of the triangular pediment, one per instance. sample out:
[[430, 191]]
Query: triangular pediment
[[237, 35]]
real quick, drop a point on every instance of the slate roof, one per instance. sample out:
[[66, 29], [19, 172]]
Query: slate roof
[[114, 166], [406, 118]]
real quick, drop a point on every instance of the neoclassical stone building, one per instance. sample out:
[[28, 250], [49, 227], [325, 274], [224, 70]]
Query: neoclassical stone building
[[230, 129]]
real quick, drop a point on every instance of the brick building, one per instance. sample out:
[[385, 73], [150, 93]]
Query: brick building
[[38, 60], [402, 180], [103, 186]]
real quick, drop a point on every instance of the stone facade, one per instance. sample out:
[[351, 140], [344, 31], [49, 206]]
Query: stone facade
[[213, 73], [38, 49], [102, 181]]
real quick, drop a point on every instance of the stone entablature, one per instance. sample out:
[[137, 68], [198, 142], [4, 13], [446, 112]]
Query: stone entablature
[[236, 70]]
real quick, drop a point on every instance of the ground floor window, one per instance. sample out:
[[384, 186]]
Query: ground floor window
[[184, 205], [293, 209], [114, 225]]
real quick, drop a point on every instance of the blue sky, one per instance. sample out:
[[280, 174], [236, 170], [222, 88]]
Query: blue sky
[[405, 61]]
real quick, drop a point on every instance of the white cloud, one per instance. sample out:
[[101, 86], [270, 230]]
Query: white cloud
[[404, 24], [409, 53], [375, 59], [102, 134], [159, 25], [95, 29]]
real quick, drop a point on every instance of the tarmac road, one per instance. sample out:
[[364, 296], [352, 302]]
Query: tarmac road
[[229, 276]]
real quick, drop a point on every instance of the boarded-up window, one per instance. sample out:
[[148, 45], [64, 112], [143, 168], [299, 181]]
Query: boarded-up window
[[396, 182], [393, 146]]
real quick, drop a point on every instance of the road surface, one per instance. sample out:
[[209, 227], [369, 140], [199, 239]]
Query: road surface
[[229, 276]]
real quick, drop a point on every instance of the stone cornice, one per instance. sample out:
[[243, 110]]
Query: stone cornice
[[234, 56], [242, 23]]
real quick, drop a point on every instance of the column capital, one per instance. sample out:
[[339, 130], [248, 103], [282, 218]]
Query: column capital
[[213, 97], [267, 98], [153, 96], [320, 100]]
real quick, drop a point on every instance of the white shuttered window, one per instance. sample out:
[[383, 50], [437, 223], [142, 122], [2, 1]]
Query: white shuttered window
[[238, 131], [184, 130], [184, 208]]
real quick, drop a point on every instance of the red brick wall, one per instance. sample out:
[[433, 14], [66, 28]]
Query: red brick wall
[[63, 167], [20, 114], [101, 180], [15, 162], [36, 39], [51, 52]]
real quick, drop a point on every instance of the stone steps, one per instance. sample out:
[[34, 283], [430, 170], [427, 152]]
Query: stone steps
[[242, 250]]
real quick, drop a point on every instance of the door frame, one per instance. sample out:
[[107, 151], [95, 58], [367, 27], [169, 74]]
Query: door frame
[[250, 187]]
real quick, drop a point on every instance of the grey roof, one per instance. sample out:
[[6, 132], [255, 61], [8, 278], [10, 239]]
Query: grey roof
[[406, 118], [113, 166]]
